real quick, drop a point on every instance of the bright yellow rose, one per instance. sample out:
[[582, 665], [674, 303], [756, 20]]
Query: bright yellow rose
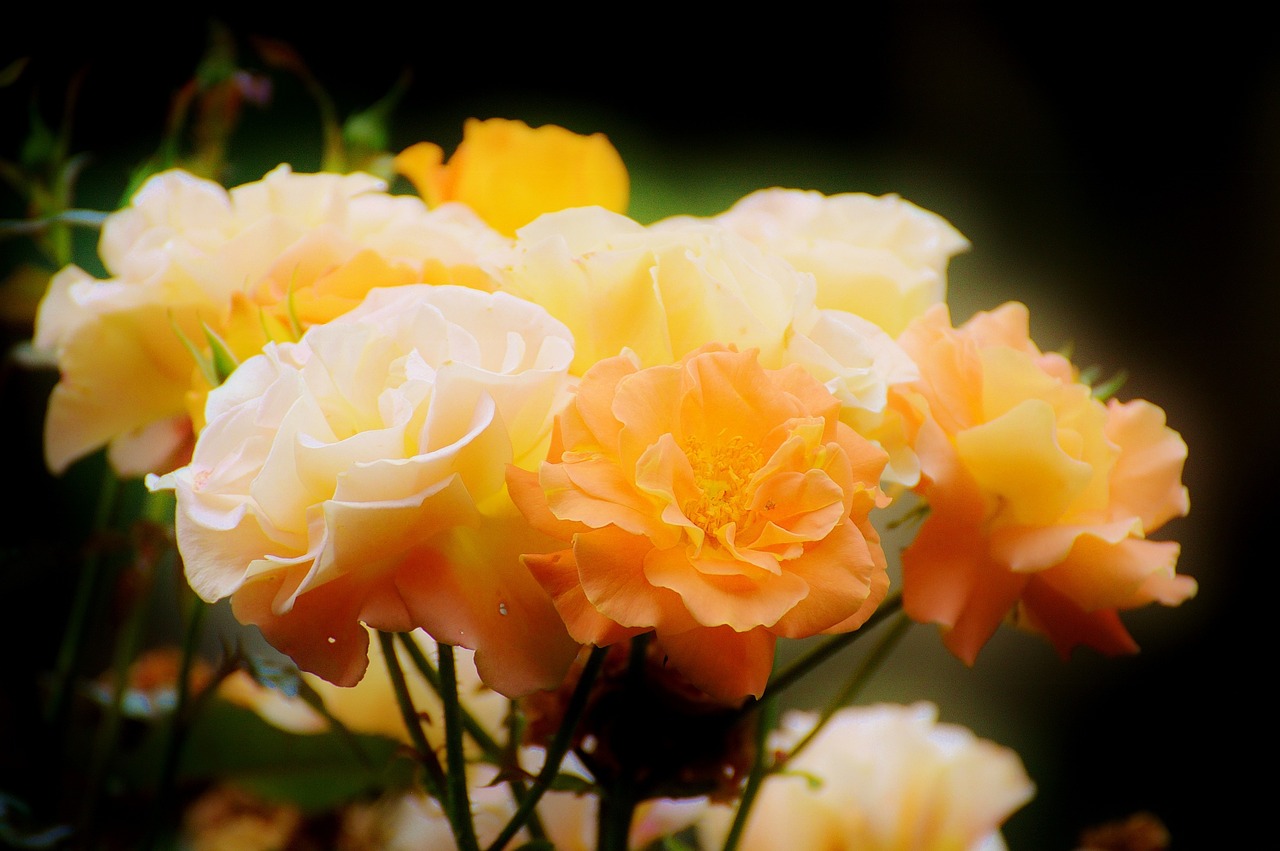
[[248, 264], [1041, 497], [664, 292], [882, 258], [357, 477], [881, 778], [510, 173]]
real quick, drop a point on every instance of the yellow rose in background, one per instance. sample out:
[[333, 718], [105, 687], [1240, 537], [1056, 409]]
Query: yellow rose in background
[[663, 292], [882, 258], [413, 821], [880, 778], [357, 477], [1041, 497], [510, 173], [259, 262]]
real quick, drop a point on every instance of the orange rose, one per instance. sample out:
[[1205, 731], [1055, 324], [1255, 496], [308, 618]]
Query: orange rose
[[1041, 497], [713, 502]]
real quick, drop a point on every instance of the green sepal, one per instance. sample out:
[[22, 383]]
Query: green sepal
[[1104, 391], [206, 365], [224, 362]]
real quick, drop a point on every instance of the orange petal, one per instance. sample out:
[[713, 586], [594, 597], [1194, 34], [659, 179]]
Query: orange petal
[[1067, 625], [495, 608], [321, 633], [1147, 478], [612, 570], [741, 598], [558, 574], [725, 664]]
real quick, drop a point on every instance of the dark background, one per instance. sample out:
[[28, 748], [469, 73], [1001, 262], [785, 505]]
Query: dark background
[[1118, 174]]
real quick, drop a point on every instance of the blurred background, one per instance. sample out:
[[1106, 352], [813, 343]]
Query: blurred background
[[1120, 177]]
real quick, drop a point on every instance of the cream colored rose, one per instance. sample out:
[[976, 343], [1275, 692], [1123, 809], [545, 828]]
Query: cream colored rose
[[358, 477], [881, 778], [663, 292], [880, 257], [250, 264]]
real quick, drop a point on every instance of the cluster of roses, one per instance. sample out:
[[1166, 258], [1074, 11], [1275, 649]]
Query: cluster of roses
[[505, 415]]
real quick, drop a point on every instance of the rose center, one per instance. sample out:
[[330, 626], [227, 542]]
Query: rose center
[[721, 471]]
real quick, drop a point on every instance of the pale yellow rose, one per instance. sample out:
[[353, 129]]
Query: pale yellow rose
[[881, 778], [249, 264], [413, 821], [880, 257], [510, 173], [357, 477], [226, 818], [663, 292]]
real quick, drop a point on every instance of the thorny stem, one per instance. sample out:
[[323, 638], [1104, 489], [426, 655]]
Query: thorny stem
[[434, 777], [760, 768], [486, 742], [458, 803], [179, 721], [473, 727], [856, 682], [819, 654], [126, 650], [82, 607], [557, 749]]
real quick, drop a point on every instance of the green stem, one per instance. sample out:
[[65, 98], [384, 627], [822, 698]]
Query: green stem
[[457, 801], [617, 811], [434, 778], [128, 643], [760, 768], [179, 722], [29, 227], [492, 750], [819, 654], [556, 750], [856, 682], [82, 608]]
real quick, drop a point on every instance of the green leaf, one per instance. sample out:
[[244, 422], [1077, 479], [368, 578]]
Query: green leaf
[[224, 362]]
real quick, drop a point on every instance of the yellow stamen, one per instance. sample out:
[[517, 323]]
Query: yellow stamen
[[721, 471]]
